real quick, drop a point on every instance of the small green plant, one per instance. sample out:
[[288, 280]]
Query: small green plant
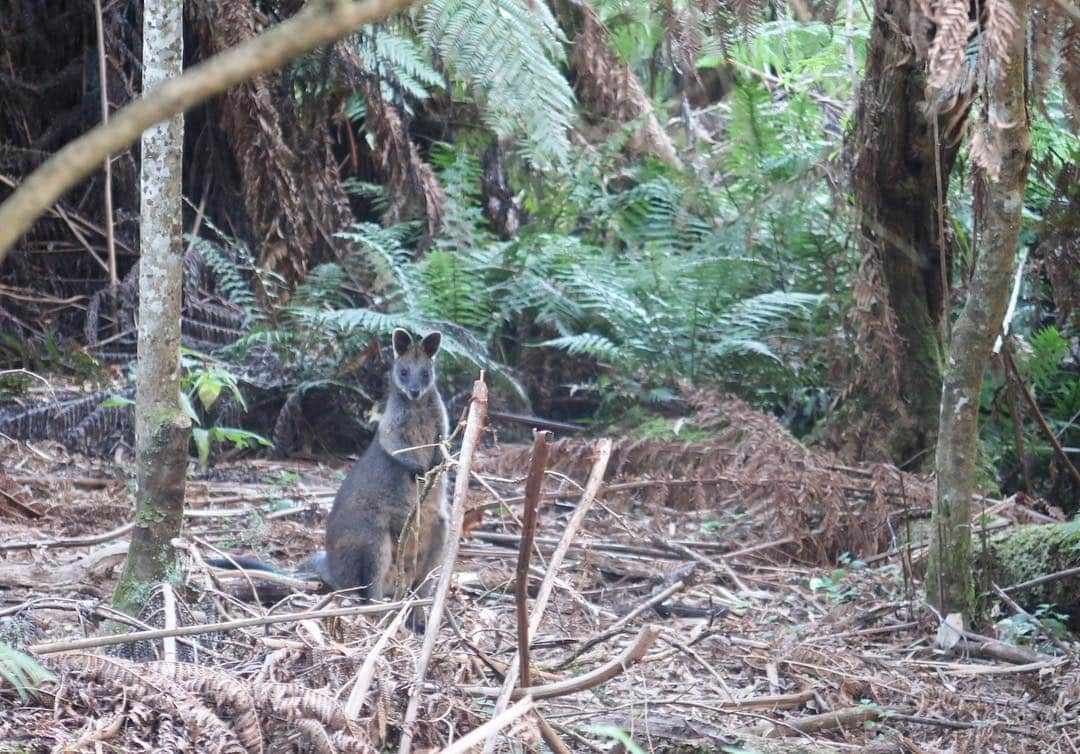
[[833, 584], [21, 671], [203, 382]]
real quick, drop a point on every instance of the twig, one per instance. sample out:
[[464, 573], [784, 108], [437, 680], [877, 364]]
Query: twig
[[1043, 579], [367, 671], [490, 728], [617, 665], [618, 625], [92, 539], [596, 479], [551, 738], [1034, 621], [1039, 418], [110, 244], [474, 426], [528, 529], [209, 628]]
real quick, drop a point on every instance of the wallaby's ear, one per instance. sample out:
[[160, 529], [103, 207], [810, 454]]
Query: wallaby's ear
[[430, 343], [402, 342]]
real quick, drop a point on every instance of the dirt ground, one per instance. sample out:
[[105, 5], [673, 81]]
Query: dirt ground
[[756, 643]]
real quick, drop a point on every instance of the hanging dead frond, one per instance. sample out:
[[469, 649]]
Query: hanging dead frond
[[292, 192], [1070, 68], [1001, 23], [947, 50], [413, 188]]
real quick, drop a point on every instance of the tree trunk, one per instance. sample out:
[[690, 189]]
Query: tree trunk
[[162, 430], [948, 580], [607, 87], [895, 177]]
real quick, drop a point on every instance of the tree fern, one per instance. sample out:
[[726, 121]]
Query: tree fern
[[508, 53]]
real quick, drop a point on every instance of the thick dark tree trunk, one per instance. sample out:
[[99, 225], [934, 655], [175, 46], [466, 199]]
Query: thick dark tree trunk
[[948, 580], [897, 180], [162, 431]]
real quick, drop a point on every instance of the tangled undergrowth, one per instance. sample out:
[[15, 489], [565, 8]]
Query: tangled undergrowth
[[720, 545]]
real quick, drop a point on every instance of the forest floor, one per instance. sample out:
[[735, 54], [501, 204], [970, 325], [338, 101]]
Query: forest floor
[[756, 647]]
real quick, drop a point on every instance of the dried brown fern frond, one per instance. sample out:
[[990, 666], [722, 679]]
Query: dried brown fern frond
[[998, 27], [295, 702], [292, 192], [158, 693], [223, 691], [1070, 69], [609, 89], [947, 50], [413, 188]]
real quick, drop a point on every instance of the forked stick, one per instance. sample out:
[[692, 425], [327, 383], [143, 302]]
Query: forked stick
[[596, 479]]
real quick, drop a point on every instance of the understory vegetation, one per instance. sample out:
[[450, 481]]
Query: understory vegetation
[[592, 273]]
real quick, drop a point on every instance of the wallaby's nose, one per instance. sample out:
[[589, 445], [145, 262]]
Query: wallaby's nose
[[414, 393]]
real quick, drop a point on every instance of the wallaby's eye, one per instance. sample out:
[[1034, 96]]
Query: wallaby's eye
[[403, 373], [424, 376]]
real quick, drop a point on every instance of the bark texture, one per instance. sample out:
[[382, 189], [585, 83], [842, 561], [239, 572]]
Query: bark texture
[[162, 431], [606, 85], [948, 581], [895, 177]]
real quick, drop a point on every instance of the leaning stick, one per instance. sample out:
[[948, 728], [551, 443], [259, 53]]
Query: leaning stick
[[367, 671], [491, 727], [632, 654], [209, 628], [528, 529], [474, 425], [596, 479]]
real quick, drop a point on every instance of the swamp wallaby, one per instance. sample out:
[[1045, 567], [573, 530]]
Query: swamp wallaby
[[388, 522]]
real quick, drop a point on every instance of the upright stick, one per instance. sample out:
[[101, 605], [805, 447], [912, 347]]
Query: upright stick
[[596, 480], [528, 529], [474, 425]]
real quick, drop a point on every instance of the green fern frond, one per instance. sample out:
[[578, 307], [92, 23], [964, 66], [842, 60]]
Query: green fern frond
[[588, 344], [508, 53], [21, 671]]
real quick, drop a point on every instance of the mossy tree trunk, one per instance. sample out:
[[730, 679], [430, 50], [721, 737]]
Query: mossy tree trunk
[[162, 431], [895, 174], [948, 580]]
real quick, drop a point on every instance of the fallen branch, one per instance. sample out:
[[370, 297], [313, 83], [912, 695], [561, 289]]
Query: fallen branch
[[474, 426], [1043, 579], [490, 728], [629, 656], [209, 628]]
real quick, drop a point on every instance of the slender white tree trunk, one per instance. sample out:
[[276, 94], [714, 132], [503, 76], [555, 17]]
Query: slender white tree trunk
[[949, 584], [162, 431]]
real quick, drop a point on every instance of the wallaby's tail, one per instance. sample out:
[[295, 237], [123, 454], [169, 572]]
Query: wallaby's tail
[[245, 562]]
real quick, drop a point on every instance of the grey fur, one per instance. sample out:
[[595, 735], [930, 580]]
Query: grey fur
[[376, 533]]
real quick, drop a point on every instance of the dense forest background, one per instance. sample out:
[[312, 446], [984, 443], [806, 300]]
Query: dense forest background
[[601, 204]]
